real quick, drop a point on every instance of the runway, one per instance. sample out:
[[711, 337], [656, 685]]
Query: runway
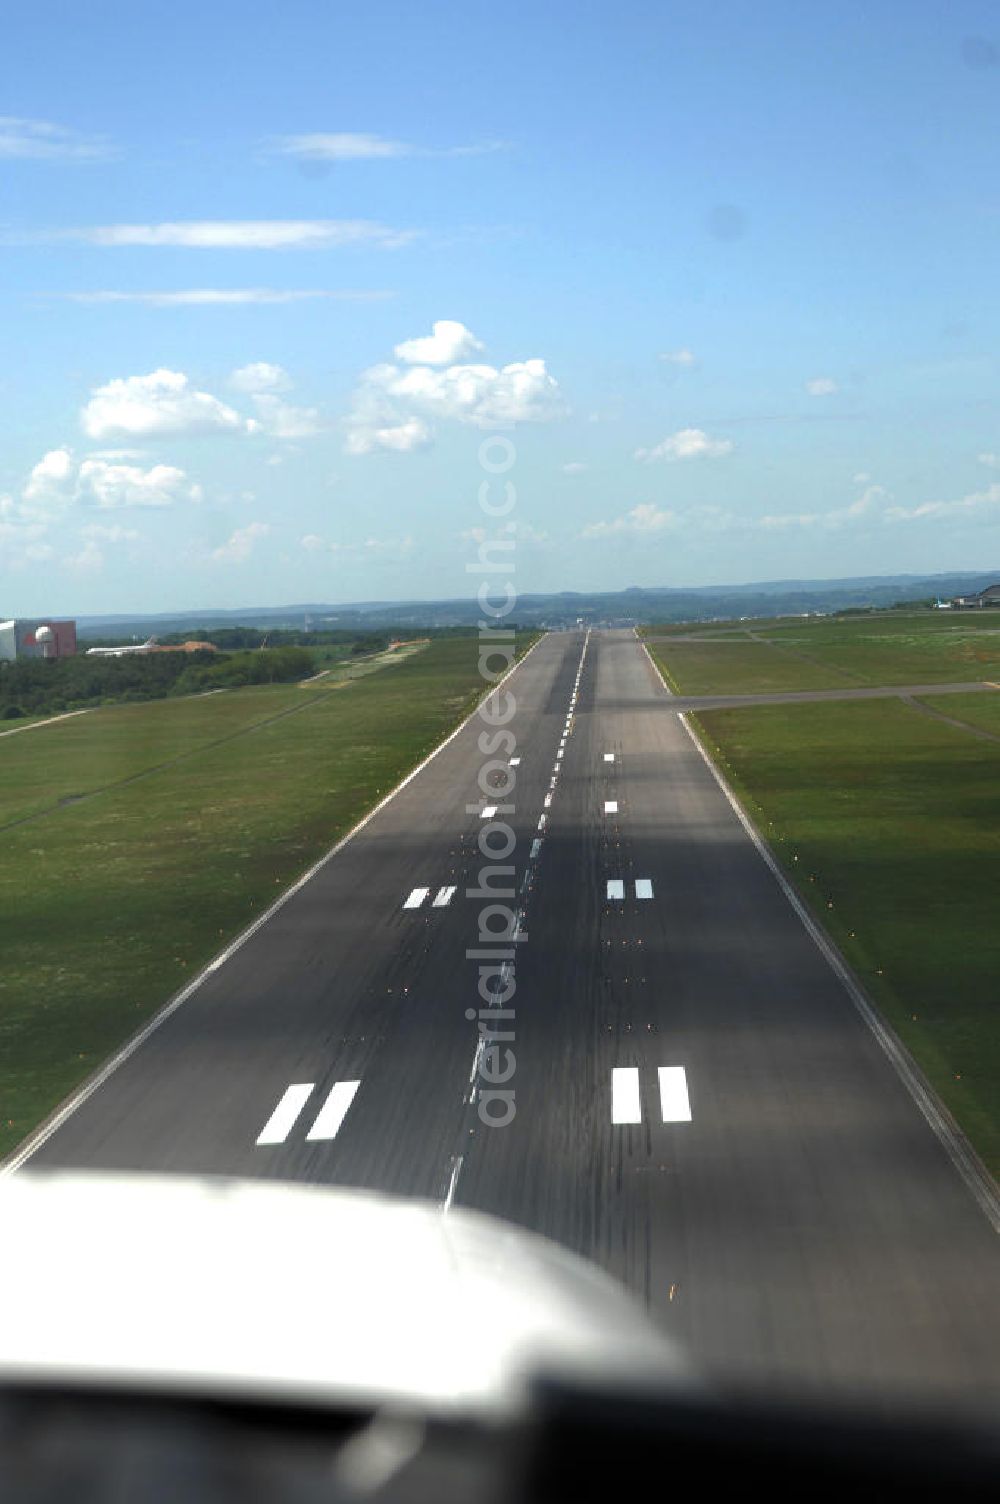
[[698, 1104]]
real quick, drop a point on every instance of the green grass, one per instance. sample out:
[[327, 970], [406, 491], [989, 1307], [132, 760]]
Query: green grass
[[888, 822], [830, 652], [198, 813]]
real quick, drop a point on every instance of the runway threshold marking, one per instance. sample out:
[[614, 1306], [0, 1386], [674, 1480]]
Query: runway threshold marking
[[643, 887], [282, 1120], [416, 898], [626, 1106], [616, 888], [443, 897], [675, 1106], [333, 1111], [626, 1099]]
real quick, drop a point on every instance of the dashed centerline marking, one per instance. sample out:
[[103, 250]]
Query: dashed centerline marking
[[609, 757], [536, 847], [333, 1111], [416, 898], [488, 812], [611, 806], [548, 801], [282, 1120], [626, 1106]]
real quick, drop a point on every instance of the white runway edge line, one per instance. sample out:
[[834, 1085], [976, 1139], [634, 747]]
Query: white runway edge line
[[46, 1129], [284, 1117], [626, 1106], [333, 1111], [939, 1119]]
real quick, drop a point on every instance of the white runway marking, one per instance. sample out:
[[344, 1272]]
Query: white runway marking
[[541, 821], [559, 754], [514, 762], [674, 1103], [443, 897], [643, 887], [282, 1120], [489, 812], [548, 800], [333, 1111], [536, 847], [625, 1104], [611, 806], [609, 757], [416, 898], [616, 888]]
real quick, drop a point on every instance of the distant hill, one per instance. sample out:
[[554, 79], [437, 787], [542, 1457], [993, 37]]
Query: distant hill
[[702, 603]]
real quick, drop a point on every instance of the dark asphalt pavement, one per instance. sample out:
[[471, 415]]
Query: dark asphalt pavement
[[805, 1227]]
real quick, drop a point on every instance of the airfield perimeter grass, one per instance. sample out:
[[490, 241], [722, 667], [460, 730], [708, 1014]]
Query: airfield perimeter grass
[[888, 823], [195, 814], [925, 647]]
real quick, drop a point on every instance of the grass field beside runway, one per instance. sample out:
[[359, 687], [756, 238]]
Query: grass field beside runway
[[834, 652], [888, 823], [111, 901]]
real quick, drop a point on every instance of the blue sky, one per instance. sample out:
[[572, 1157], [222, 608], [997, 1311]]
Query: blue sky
[[726, 272]]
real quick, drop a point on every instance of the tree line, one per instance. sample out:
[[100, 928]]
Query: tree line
[[36, 686]]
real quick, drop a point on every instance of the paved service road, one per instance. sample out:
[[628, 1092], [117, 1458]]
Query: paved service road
[[700, 1106]]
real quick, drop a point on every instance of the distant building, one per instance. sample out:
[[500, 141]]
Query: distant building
[[42, 638], [988, 597]]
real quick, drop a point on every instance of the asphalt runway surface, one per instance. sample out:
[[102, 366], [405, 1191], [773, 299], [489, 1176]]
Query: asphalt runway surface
[[700, 1105]]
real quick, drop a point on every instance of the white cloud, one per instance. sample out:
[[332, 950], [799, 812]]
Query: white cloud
[[977, 502], [683, 358], [102, 533], [862, 478], [111, 487], [227, 296], [686, 444], [356, 146], [260, 376], [160, 404], [50, 481], [366, 436], [574, 467], [449, 342], [368, 548], [240, 545], [993, 460], [644, 519], [392, 404], [41, 141], [280, 420], [58, 482], [89, 560], [821, 386], [241, 234]]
